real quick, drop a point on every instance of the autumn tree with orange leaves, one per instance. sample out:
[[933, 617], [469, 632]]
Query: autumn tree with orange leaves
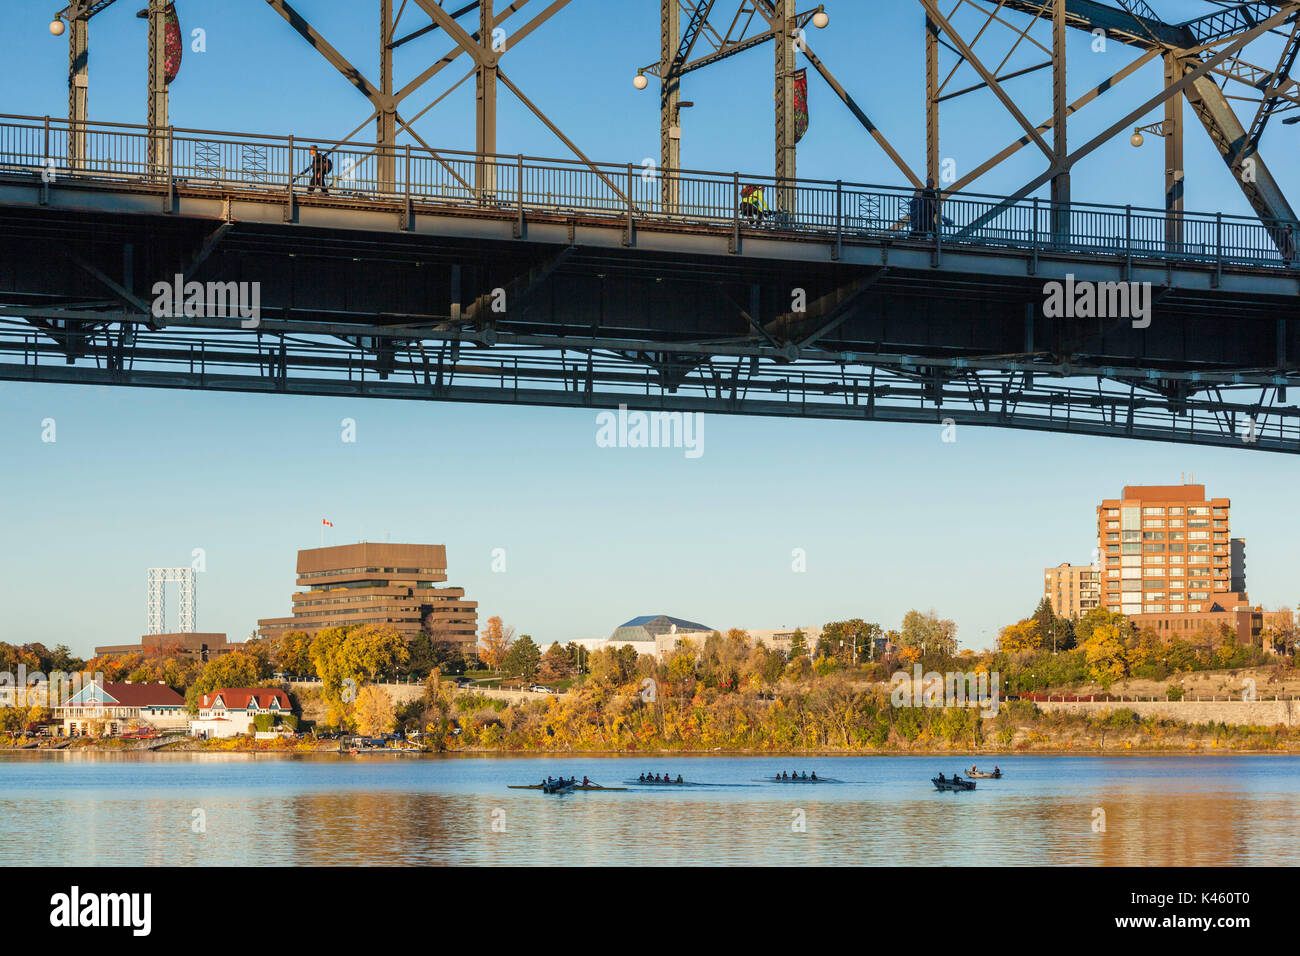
[[494, 643]]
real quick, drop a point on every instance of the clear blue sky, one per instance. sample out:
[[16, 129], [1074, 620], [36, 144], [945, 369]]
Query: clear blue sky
[[890, 517]]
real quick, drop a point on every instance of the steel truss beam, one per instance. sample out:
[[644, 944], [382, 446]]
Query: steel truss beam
[[917, 390], [480, 46], [1207, 45], [783, 25]]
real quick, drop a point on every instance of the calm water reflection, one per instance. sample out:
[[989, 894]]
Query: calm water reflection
[[73, 809]]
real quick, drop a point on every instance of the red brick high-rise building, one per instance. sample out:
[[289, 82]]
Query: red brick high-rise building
[[1168, 561]]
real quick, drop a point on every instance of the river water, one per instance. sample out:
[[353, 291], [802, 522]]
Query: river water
[[241, 809]]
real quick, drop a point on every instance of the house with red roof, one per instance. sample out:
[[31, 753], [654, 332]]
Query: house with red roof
[[230, 711], [111, 707]]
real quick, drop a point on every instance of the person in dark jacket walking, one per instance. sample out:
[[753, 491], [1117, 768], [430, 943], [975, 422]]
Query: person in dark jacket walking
[[321, 165]]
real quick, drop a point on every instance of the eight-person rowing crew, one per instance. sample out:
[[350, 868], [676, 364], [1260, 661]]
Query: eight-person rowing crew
[[647, 778]]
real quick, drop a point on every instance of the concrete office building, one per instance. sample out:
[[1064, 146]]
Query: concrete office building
[[1072, 589], [385, 584]]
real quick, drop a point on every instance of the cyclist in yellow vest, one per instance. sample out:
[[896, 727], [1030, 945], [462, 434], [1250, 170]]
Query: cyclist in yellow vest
[[753, 205]]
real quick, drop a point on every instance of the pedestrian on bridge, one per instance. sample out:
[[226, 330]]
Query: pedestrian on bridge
[[321, 165], [923, 208]]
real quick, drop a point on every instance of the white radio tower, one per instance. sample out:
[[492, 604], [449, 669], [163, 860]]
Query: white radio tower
[[158, 579]]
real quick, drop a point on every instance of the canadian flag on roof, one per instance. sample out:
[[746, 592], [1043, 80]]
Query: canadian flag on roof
[[327, 522]]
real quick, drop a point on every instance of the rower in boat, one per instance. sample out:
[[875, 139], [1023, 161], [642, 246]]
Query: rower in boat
[[679, 779], [814, 776]]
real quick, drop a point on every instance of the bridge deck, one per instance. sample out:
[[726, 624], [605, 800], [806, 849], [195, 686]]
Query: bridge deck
[[265, 168]]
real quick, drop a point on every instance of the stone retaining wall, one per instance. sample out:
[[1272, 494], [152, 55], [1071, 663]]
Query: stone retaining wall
[[1259, 713]]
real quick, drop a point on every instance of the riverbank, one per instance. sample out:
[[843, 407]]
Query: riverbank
[[1044, 749]]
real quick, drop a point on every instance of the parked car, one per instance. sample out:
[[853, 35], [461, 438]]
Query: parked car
[[541, 689]]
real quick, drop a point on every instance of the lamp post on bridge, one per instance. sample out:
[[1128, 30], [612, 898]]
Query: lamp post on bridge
[[74, 19]]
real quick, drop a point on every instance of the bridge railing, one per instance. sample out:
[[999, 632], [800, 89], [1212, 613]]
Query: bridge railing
[[840, 211]]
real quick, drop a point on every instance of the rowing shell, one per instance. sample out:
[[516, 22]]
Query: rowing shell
[[538, 786], [794, 780]]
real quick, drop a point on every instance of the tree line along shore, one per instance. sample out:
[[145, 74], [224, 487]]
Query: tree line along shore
[[725, 694]]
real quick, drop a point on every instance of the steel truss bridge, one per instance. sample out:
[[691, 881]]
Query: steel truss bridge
[[473, 276]]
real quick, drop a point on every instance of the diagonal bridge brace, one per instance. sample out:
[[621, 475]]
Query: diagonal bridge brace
[[801, 330]]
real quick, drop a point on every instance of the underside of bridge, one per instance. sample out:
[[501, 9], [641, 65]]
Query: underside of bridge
[[448, 315]]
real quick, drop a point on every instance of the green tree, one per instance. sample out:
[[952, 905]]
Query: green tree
[[236, 669], [1057, 632], [579, 655], [522, 659], [929, 633], [423, 655]]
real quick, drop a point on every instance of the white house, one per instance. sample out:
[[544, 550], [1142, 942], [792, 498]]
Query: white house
[[229, 711]]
